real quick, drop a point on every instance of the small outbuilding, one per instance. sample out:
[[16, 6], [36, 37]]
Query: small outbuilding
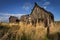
[[13, 19]]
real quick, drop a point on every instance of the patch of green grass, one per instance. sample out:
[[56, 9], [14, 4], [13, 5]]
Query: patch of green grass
[[46, 38]]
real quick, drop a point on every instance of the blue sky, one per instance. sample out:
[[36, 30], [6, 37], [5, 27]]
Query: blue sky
[[22, 7]]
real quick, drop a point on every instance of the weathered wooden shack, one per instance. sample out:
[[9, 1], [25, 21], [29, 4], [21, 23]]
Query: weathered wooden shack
[[40, 14], [13, 19]]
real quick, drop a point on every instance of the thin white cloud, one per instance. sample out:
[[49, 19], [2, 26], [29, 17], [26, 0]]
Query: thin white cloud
[[13, 15], [4, 17], [46, 4], [45, 7], [8, 14], [26, 6]]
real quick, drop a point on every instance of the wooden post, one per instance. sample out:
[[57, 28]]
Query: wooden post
[[37, 22], [48, 26]]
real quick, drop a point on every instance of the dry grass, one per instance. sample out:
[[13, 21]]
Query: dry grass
[[23, 31]]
